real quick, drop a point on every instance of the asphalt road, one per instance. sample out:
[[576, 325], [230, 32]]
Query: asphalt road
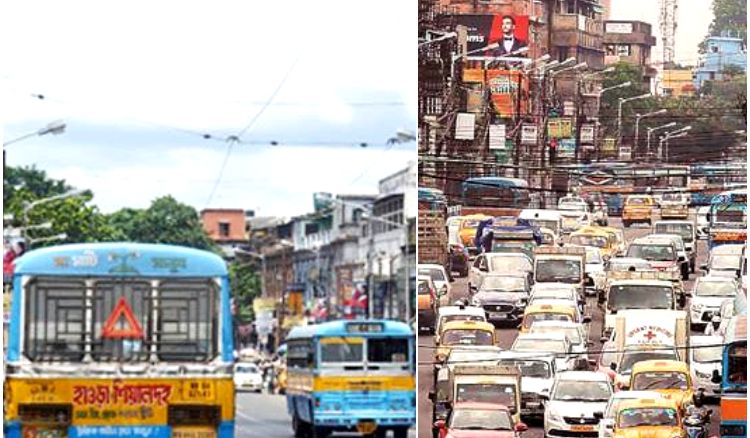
[[506, 335], [264, 415]]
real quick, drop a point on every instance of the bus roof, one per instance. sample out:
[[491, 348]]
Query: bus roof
[[343, 328], [497, 181], [121, 259]]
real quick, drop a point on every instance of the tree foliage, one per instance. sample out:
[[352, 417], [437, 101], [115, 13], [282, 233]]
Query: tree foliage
[[165, 221], [245, 284], [730, 17]]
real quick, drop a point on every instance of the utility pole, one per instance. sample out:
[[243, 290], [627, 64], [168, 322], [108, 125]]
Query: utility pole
[[517, 152]]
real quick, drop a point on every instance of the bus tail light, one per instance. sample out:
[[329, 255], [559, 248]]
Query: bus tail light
[[194, 415], [51, 414]]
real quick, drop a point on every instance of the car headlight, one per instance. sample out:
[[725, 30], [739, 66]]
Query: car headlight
[[702, 375], [696, 306], [520, 302], [555, 417]]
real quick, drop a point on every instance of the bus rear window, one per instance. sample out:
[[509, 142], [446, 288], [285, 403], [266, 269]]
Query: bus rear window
[[388, 350], [341, 349]]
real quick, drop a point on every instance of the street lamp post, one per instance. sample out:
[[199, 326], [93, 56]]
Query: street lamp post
[[622, 101], [682, 132], [650, 130], [57, 127], [30, 205], [638, 118], [599, 103]]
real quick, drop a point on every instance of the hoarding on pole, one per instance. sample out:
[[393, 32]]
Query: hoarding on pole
[[485, 29], [566, 148], [528, 134], [587, 133], [465, 126], [497, 136]]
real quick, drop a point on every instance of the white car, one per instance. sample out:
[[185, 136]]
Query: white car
[[622, 264], [575, 399], [537, 376], [595, 275], [575, 332], [498, 263], [247, 377], [556, 344], [439, 277], [606, 425], [724, 261], [706, 298], [701, 222], [557, 291], [705, 357]]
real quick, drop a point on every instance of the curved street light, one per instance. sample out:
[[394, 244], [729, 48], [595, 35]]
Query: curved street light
[[56, 127], [638, 118]]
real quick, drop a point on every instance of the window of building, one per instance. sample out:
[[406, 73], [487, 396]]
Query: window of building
[[711, 75], [610, 48], [623, 50], [223, 229], [714, 49], [668, 91]]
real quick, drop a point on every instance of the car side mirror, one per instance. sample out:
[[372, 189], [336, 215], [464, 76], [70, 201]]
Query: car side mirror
[[589, 343], [739, 273], [431, 396], [586, 319], [440, 424], [704, 267], [609, 425], [521, 427], [681, 259], [716, 377], [613, 366], [598, 415]]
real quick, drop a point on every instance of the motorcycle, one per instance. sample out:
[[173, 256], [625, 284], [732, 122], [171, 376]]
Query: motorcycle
[[696, 422]]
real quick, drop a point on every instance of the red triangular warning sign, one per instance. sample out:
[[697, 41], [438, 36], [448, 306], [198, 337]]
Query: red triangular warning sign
[[110, 329]]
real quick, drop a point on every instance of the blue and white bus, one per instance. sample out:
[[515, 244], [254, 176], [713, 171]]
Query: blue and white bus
[[351, 376]]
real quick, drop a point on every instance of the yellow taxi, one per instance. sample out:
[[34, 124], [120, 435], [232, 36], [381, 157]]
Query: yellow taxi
[[463, 333], [597, 237], [545, 311], [637, 208], [467, 229], [671, 378], [653, 418], [619, 238]]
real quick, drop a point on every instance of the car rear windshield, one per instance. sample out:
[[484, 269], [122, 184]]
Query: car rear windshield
[[660, 253]]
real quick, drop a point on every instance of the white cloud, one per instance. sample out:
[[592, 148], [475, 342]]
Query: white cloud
[[116, 70]]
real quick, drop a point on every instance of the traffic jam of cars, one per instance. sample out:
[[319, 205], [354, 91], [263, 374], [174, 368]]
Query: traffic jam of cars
[[570, 322]]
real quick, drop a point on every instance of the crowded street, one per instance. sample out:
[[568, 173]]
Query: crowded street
[[506, 333]]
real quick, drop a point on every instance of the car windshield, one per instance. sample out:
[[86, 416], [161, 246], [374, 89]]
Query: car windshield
[[510, 264], [556, 294], [550, 345], [565, 271], [480, 419], [683, 230], [589, 240], [504, 283], [716, 289], [572, 333], [424, 288], [725, 262], [639, 297], [246, 369], [707, 353], [631, 358], [502, 393], [638, 201], [616, 265], [586, 391], [660, 380], [460, 317], [466, 337], [671, 197], [551, 224], [435, 274], [530, 368], [636, 417], [531, 318], [660, 253], [467, 355]]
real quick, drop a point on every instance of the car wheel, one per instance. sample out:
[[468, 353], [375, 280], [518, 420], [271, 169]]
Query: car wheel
[[686, 274]]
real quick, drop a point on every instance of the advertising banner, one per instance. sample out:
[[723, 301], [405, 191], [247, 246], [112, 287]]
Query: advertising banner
[[503, 85], [474, 101], [465, 126], [560, 128], [497, 136], [528, 134], [566, 148], [510, 31], [609, 146], [587, 133]]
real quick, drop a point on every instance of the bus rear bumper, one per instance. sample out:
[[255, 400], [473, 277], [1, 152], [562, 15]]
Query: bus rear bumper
[[350, 422], [14, 429]]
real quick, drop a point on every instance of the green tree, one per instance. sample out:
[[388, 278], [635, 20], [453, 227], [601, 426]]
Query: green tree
[[730, 17], [245, 284], [165, 221], [71, 216]]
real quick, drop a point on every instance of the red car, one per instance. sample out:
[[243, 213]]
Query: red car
[[479, 420]]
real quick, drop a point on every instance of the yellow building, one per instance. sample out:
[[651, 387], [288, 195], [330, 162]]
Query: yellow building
[[677, 83]]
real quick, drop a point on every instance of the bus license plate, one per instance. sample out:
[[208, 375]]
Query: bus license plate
[[199, 391], [193, 432], [582, 428], [366, 427], [43, 432]]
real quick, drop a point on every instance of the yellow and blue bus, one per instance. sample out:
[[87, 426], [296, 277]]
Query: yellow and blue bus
[[119, 339], [734, 379], [351, 376]]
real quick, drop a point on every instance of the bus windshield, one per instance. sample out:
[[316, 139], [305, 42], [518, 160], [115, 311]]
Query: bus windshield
[[185, 328]]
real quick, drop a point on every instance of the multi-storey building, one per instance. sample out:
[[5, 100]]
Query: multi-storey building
[[630, 42], [721, 52]]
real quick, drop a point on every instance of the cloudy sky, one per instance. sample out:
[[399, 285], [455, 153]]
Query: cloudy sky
[[693, 19], [139, 82]]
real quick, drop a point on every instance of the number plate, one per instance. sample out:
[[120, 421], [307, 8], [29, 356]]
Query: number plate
[[42, 432], [198, 391], [495, 315], [583, 428], [193, 432], [366, 427]]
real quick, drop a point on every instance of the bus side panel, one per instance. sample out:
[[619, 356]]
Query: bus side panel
[[14, 332], [733, 409], [12, 429], [299, 394], [227, 339]]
